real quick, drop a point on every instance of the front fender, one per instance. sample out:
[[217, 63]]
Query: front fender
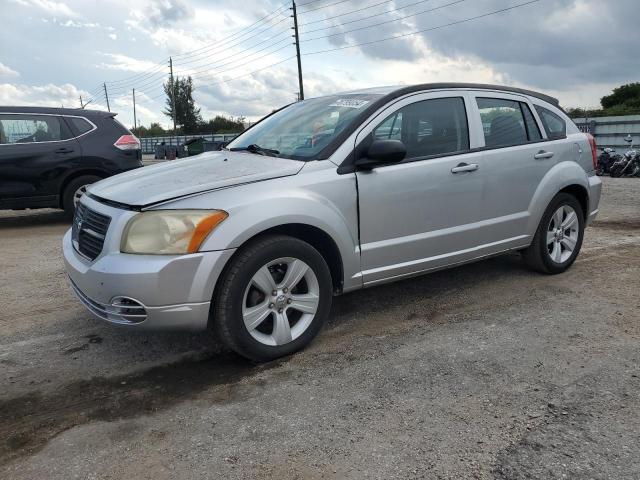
[[559, 177], [329, 204]]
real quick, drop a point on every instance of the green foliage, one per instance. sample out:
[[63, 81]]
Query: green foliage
[[624, 100], [189, 120], [221, 124], [154, 130], [626, 96]]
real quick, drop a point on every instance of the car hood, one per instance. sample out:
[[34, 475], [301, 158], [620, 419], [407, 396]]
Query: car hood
[[202, 173]]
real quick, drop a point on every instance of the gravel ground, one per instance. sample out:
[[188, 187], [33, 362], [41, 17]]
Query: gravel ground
[[483, 371]]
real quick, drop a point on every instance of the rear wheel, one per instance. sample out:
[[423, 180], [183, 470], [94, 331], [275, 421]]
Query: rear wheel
[[558, 240], [273, 298], [74, 191], [616, 171]]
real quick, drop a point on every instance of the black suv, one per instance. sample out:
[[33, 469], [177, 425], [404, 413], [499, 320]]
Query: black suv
[[48, 156]]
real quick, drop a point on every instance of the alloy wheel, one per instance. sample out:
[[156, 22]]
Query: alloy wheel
[[280, 301], [78, 194], [562, 234]]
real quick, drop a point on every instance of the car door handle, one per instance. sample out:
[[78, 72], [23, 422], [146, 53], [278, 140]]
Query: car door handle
[[542, 155], [64, 150], [465, 168]]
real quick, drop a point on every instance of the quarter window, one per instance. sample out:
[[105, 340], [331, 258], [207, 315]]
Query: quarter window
[[507, 122], [32, 129], [555, 126], [80, 124], [428, 128]]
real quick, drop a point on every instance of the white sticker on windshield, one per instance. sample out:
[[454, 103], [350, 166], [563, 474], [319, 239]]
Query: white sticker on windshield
[[349, 103]]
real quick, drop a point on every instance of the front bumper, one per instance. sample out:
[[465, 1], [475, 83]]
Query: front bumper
[[152, 292]]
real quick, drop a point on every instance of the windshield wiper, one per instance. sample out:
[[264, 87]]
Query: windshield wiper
[[253, 148]]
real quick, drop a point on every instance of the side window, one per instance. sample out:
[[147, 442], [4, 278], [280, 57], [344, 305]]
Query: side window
[[80, 125], [554, 125], [507, 122], [390, 128], [533, 132], [428, 128], [32, 129]]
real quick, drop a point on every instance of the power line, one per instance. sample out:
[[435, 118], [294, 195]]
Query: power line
[[323, 6], [495, 12], [350, 12], [386, 12], [380, 23], [240, 76], [139, 76], [243, 50], [224, 41], [209, 72]]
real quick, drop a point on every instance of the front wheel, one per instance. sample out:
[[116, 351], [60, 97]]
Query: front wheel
[[74, 191], [273, 298], [558, 239]]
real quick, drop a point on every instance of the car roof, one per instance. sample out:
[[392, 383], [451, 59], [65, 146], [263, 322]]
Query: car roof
[[83, 112], [400, 90]]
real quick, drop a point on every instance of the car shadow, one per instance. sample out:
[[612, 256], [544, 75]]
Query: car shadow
[[32, 218]]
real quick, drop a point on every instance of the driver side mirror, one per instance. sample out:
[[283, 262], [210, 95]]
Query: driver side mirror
[[381, 152]]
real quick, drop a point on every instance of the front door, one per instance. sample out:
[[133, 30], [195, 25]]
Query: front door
[[422, 214]]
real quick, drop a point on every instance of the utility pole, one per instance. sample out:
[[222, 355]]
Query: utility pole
[[295, 28], [173, 96], [81, 104], [135, 123], [106, 95]]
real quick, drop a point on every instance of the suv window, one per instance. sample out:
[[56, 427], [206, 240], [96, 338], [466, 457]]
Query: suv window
[[32, 129], [507, 122], [80, 124], [428, 128], [554, 125]]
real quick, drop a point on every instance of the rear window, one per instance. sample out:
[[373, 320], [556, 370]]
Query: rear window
[[81, 125], [24, 128], [507, 122], [555, 126]]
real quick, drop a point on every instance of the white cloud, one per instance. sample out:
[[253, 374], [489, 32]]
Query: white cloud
[[113, 36], [6, 71], [48, 95], [49, 6], [125, 63]]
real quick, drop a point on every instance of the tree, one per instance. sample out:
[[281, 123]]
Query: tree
[[221, 125], [187, 114], [624, 97], [625, 100]]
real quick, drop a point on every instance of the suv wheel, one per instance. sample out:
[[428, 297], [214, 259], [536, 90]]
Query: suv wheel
[[273, 298], [558, 239], [74, 191]]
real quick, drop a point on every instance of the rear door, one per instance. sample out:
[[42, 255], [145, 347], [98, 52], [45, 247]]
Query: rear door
[[35, 152], [516, 156]]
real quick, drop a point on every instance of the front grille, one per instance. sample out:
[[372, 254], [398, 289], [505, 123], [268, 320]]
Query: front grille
[[88, 231]]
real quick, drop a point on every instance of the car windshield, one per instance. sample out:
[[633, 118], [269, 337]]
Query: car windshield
[[301, 130]]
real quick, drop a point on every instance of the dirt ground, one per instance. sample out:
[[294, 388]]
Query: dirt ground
[[483, 371]]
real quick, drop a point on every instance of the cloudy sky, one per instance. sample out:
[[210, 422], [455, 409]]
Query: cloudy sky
[[241, 56]]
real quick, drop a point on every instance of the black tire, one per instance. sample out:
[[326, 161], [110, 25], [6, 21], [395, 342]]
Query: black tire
[[615, 172], [70, 190], [537, 256], [226, 313]]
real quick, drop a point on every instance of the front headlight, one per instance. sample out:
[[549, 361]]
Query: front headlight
[[169, 232]]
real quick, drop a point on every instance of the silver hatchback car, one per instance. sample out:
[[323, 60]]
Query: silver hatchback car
[[330, 195]]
